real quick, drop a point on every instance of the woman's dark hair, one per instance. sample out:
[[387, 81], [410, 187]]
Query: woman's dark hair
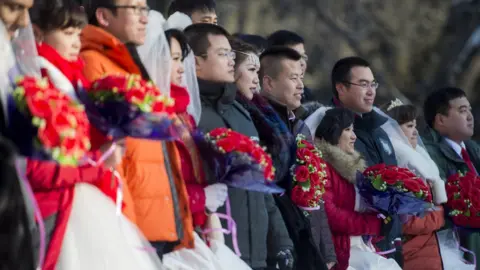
[[181, 38], [402, 114], [51, 15], [16, 250], [333, 124], [241, 50]]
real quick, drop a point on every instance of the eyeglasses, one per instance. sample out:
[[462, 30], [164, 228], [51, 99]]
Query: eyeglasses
[[137, 10], [365, 85], [229, 54]]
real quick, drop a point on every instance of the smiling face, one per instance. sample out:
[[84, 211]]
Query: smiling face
[[14, 15], [458, 123], [358, 94], [410, 131], [246, 76], [287, 87], [346, 142], [217, 65]]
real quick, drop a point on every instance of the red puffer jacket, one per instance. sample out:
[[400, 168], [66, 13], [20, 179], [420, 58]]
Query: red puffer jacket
[[190, 158], [340, 202]]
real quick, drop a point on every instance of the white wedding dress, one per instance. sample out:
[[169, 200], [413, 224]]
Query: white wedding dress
[[97, 238], [216, 257]]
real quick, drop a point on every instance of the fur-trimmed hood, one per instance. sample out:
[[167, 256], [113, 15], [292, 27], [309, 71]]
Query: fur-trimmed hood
[[347, 165]]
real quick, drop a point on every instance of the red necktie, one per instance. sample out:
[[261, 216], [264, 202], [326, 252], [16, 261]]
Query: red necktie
[[466, 158]]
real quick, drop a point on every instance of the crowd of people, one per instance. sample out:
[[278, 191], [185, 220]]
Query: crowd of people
[[155, 204]]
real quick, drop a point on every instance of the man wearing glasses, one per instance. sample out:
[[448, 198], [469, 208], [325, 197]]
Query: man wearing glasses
[[354, 87], [151, 168], [261, 229]]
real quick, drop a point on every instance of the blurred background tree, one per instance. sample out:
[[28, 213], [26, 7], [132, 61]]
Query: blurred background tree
[[414, 46]]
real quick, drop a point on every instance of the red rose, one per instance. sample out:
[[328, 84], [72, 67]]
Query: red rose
[[301, 174], [48, 136], [459, 205], [465, 184], [390, 177], [412, 186], [258, 154], [299, 197], [315, 179], [304, 154], [226, 144], [374, 169]]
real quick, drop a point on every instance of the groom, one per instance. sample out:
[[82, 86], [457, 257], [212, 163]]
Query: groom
[[14, 15]]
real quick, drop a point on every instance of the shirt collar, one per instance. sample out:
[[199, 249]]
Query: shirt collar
[[291, 116], [455, 146]]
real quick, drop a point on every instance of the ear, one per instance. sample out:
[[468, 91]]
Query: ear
[[267, 83], [102, 16], [341, 89], [38, 33], [198, 63], [439, 120]]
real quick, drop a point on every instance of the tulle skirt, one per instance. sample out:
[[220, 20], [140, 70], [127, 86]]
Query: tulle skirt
[[97, 238], [216, 257], [363, 257], [452, 256]]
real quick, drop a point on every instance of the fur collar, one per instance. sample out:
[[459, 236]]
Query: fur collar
[[345, 164]]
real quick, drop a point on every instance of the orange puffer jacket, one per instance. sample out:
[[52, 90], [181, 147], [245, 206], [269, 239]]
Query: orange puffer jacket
[[151, 168], [421, 250]]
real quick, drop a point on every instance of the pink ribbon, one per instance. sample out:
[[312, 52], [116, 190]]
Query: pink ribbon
[[232, 227], [464, 249], [309, 208], [103, 157], [37, 213]]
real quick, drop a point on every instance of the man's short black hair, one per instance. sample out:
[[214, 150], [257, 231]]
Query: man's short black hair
[[190, 6], [197, 36], [270, 60], [341, 70], [284, 38], [91, 7], [438, 102]]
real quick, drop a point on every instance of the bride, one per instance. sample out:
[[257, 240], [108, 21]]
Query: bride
[[421, 248]]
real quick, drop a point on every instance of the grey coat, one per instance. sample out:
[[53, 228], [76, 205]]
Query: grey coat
[[257, 217]]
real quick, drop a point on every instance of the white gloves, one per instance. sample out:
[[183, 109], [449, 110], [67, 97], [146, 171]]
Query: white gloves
[[215, 196]]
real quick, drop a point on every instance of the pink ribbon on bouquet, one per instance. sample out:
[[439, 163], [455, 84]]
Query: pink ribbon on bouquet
[[232, 227], [37, 213], [455, 230]]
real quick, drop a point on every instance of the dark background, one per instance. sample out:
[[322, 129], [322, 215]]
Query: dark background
[[414, 46]]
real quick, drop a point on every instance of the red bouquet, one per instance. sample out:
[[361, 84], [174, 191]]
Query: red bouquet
[[384, 177], [309, 175], [237, 160], [463, 191], [125, 105], [143, 95], [58, 126], [391, 190]]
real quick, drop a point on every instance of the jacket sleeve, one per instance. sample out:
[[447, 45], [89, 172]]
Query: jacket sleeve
[[322, 234], [429, 223], [196, 196], [278, 237], [93, 68], [44, 175], [349, 222]]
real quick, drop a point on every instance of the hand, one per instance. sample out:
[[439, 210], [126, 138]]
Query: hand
[[391, 228], [285, 260], [331, 265], [215, 196]]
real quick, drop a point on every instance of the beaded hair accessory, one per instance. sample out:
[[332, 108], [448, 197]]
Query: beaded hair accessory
[[395, 103]]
